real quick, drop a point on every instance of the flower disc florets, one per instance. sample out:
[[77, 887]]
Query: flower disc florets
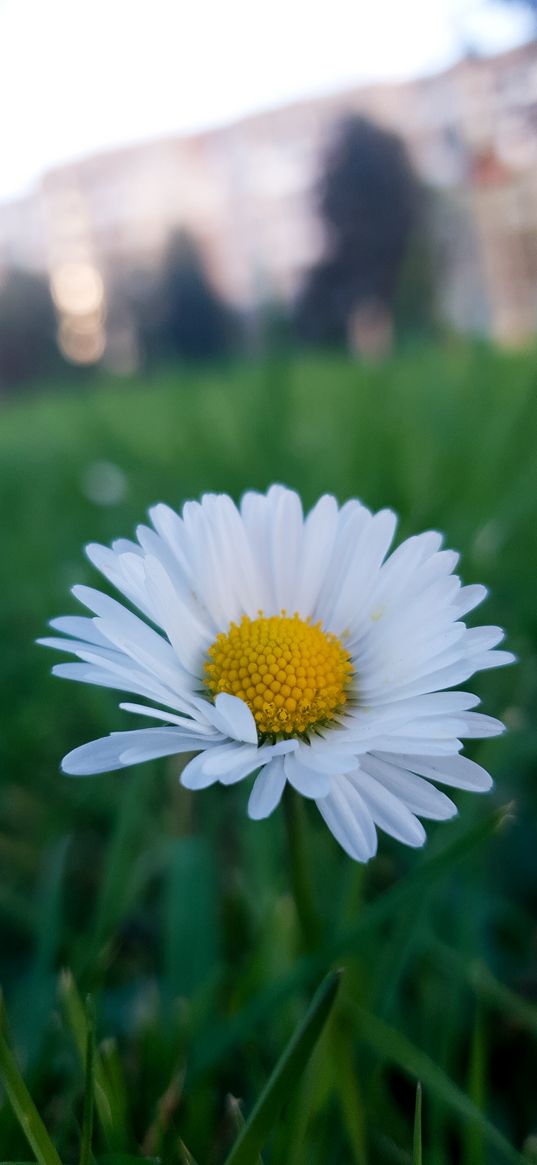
[[292, 675]]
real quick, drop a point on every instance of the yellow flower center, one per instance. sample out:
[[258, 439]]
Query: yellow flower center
[[292, 675]]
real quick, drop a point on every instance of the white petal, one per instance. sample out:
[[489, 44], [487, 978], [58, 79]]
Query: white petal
[[491, 659], [320, 530], [217, 590], [121, 572], [78, 645], [189, 725], [410, 745], [251, 759], [125, 675], [286, 546], [470, 597], [233, 717], [353, 520], [222, 760], [306, 780], [457, 771], [479, 726], [108, 753], [417, 794], [438, 727], [267, 791], [255, 513], [434, 681], [188, 634], [79, 627], [89, 674], [387, 811], [362, 573], [349, 819], [240, 571], [131, 635], [478, 639], [171, 529], [324, 757], [194, 776], [151, 751]]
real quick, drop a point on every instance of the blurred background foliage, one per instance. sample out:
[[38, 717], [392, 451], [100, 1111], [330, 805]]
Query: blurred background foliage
[[174, 910], [375, 282]]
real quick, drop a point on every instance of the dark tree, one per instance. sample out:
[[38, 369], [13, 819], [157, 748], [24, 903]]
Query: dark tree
[[369, 199], [180, 313], [28, 349]]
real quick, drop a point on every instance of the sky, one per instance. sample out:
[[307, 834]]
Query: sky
[[80, 76]]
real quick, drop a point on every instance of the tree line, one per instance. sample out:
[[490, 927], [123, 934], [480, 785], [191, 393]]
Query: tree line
[[373, 283]]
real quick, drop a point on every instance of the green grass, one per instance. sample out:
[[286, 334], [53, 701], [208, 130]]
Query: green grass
[[173, 910]]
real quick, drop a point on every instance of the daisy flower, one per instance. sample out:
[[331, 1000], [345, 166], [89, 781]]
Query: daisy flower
[[294, 648]]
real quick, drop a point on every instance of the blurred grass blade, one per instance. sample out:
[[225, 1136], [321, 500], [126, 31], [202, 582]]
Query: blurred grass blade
[[186, 1155], [474, 1143], [398, 1049], [124, 1159], [108, 1060], [221, 1039], [530, 1150], [89, 1085], [348, 1088], [22, 1103], [480, 979], [422, 874], [191, 919], [110, 1108], [417, 1158], [285, 1075], [166, 1109], [233, 1107], [35, 993], [119, 883]]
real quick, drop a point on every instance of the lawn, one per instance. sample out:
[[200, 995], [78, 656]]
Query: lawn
[[173, 910]]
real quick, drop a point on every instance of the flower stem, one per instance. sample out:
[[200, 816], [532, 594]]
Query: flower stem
[[308, 917]]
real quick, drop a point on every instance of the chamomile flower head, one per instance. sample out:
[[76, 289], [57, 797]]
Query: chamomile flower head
[[294, 648]]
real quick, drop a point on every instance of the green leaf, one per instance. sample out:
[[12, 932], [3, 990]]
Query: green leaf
[[22, 1103], [417, 1158], [285, 1076], [398, 1049]]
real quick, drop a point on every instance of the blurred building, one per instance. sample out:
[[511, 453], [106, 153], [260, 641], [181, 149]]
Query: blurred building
[[246, 192]]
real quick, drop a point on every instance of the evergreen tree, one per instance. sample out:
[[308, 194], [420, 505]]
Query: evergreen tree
[[369, 200]]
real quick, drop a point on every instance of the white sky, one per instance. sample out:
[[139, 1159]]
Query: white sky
[[77, 76]]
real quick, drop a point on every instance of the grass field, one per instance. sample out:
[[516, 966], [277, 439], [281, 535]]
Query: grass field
[[173, 910]]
